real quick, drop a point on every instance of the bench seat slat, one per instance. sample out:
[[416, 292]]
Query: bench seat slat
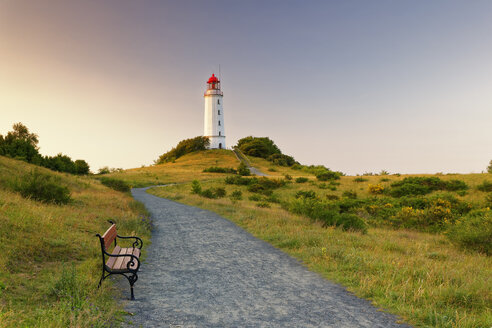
[[111, 260], [120, 263]]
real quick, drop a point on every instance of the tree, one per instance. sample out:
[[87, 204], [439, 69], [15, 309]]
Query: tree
[[81, 167], [489, 168], [258, 147]]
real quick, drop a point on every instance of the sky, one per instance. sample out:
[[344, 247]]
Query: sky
[[358, 86]]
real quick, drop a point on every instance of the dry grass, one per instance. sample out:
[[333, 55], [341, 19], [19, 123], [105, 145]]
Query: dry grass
[[40, 242]]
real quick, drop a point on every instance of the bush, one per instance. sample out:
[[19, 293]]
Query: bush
[[43, 188], [263, 204], [265, 186], [220, 192], [489, 168], [255, 198], [288, 177], [375, 189], [332, 197], [216, 169], [306, 194], [473, 232], [184, 147], [281, 160], [351, 222], [237, 195], [302, 180], [351, 194], [456, 185], [208, 193], [360, 179], [486, 186], [328, 175], [424, 185], [115, 184], [196, 188], [258, 147], [240, 181], [243, 169]]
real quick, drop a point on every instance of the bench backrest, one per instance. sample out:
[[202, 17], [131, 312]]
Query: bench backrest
[[109, 236]]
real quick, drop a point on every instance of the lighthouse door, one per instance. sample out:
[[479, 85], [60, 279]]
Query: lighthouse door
[[220, 145]]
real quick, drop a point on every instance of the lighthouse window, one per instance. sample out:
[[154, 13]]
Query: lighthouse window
[[219, 123], [218, 101], [219, 133], [219, 111]]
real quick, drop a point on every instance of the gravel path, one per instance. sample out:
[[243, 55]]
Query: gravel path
[[204, 271]]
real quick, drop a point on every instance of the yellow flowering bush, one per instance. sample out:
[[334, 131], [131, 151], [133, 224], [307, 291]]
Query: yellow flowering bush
[[376, 189]]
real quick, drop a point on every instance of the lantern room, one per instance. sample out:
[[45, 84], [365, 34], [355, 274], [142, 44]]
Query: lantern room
[[213, 83]]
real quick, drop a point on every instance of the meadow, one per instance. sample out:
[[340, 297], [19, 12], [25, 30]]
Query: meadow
[[50, 262], [412, 270]]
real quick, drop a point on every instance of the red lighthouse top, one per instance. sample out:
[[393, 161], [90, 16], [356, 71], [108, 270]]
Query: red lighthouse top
[[213, 83], [213, 79]]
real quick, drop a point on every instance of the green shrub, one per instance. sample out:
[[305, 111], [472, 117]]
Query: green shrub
[[273, 198], [412, 186], [116, 184], [272, 169], [302, 180], [264, 185], [237, 195], [196, 188], [216, 169], [288, 177], [360, 179], [485, 186], [240, 181], [220, 192], [281, 160], [305, 194], [184, 147], [328, 175], [488, 200], [255, 198], [258, 147], [351, 222], [263, 204], [489, 168], [473, 232], [42, 187], [243, 169], [332, 197], [350, 194], [208, 193], [456, 185]]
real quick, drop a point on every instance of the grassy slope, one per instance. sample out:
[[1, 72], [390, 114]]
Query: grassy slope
[[184, 169], [419, 276], [39, 286]]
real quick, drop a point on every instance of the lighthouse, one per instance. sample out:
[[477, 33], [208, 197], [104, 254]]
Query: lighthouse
[[214, 114]]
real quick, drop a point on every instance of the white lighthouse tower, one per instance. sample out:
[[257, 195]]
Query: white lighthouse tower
[[214, 114]]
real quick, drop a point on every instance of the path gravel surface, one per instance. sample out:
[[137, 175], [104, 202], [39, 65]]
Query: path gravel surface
[[204, 271]]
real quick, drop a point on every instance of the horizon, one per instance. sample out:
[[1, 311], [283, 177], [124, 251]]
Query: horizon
[[355, 86]]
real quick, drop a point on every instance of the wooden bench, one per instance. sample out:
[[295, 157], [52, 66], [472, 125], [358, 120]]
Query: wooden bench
[[124, 261]]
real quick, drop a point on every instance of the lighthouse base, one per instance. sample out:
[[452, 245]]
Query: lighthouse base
[[217, 142]]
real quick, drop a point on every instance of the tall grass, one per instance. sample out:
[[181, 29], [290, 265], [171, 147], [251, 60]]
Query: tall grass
[[50, 260]]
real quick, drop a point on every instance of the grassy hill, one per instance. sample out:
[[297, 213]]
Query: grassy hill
[[401, 258], [50, 259]]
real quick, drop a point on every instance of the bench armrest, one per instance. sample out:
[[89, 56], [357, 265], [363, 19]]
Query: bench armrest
[[138, 243], [130, 263]]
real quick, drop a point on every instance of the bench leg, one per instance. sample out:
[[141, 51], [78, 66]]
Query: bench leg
[[132, 279], [100, 280]]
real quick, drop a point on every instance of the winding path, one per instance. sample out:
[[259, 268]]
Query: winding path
[[204, 271]]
